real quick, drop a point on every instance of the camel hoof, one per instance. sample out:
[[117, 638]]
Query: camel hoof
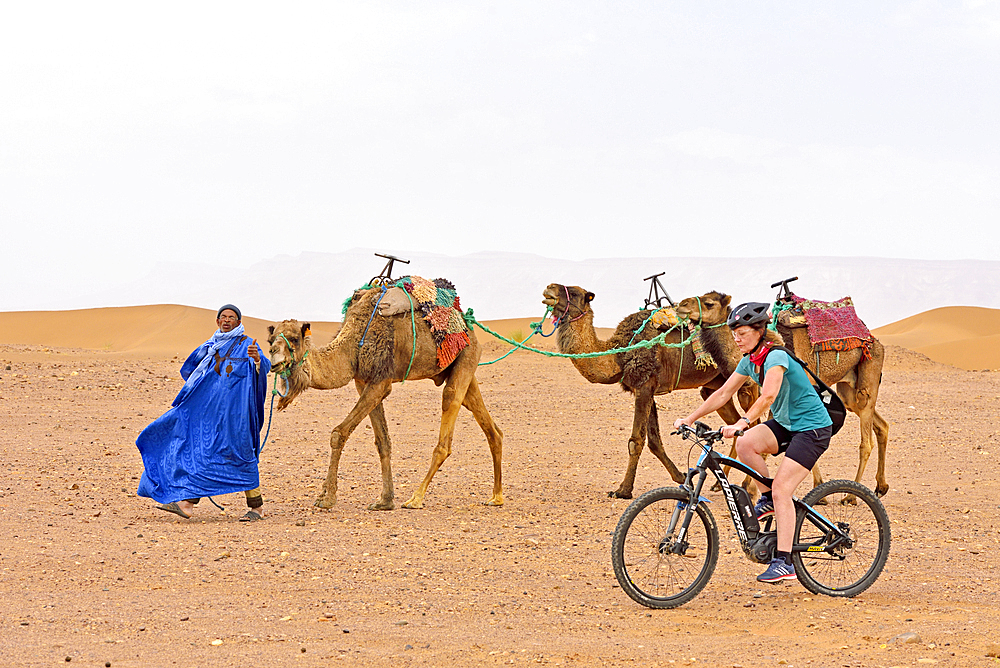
[[619, 494], [322, 502], [495, 501], [716, 487], [881, 491], [414, 504], [849, 500], [382, 505]]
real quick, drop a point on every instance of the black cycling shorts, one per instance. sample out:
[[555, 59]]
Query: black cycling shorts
[[804, 447]]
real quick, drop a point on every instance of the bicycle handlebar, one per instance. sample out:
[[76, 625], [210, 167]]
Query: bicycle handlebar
[[701, 431]]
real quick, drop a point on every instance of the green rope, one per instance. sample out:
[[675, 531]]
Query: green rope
[[470, 320], [295, 365], [643, 326], [536, 327], [347, 302], [658, 340], [775, 310], [680, 365], [413, 319], [413, 326]]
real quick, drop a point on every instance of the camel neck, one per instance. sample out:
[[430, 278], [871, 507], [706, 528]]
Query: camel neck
[[722, 347], [333, 366], [579, 336]]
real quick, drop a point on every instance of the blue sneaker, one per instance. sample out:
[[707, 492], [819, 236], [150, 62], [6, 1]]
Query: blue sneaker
[[764, 507], [777, 571]]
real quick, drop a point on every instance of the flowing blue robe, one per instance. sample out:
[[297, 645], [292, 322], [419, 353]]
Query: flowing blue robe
[[208, 443]]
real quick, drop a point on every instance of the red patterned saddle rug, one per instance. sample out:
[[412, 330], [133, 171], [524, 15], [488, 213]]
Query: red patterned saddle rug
[[835, 325], [437, 301]]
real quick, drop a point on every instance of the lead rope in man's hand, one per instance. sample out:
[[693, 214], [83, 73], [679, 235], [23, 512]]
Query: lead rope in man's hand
[[275, 391]]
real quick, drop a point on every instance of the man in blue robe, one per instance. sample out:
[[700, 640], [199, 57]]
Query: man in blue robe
[[208, 443]]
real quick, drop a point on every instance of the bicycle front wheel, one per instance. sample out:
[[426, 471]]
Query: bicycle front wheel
[[842, 570], [656, 564]]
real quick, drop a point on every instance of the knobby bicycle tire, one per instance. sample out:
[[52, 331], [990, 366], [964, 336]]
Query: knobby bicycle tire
[[645, 568], [849, 571]]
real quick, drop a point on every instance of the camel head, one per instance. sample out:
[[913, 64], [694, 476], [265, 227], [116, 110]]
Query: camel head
[[289, 343], [568, 302], [713, 308]]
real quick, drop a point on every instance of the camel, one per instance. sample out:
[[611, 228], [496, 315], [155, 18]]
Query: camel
[[643, 372], [374, 351], [855, 378]]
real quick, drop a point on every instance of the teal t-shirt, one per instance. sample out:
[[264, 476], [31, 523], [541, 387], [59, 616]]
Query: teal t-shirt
[[797, 406]]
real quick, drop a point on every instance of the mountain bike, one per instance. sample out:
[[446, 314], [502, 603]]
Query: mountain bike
[[666, 545]]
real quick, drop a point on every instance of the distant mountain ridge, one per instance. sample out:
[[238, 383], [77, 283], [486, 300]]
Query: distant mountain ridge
[[509, 285]]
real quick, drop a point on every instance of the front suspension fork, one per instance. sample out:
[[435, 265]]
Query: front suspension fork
[[680, 545]]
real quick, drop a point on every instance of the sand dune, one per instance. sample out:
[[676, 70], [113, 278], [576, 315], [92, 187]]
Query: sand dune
[[171, 329], [161, 329], [963, 336]]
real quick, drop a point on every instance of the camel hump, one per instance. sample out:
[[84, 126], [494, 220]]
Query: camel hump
[[394, 302]]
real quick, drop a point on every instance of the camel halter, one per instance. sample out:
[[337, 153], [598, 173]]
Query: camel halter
[[289, 368], [284, 374], [560, 320]]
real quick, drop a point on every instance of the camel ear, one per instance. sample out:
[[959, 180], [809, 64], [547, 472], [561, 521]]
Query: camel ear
[[589, 297], [305, 329], [724, 300], [270, 333]]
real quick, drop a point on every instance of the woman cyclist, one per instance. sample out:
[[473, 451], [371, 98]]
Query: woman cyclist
[[801, 426]]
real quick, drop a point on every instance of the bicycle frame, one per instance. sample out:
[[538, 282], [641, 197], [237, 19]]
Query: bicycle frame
[[710, 460]]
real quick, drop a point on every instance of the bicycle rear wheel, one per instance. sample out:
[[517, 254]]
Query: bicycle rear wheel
[[644, 551], [843, 570]]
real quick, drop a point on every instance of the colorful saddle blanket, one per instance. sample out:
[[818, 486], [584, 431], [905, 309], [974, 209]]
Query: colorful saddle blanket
[[437, 301], [834, 325]]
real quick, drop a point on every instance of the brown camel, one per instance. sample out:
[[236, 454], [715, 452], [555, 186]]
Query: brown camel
[[855, 378], [382, 360], [643, 372]]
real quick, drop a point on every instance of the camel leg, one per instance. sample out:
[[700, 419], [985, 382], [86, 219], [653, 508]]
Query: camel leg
[[706, 392], [817, 476], [730, 415], [882, 437], [747, 397], [643, 400], [867, 442], [474, 402], [455, 389], [860, 399], [857, 403], [371, 396], [384, 448], [656, 444]]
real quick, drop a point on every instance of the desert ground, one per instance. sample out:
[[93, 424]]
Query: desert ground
[[94, 575]]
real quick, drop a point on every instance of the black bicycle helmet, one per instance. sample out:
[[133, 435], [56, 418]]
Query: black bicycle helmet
[[751, 313]]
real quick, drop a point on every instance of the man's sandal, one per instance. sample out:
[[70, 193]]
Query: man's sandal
[[172, 507], [251, 516]]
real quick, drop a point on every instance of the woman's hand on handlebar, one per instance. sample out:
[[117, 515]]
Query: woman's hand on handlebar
[[687, 421], [731, 430]]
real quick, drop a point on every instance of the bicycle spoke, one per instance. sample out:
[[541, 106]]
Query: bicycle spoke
[[843, 570], [641, 552]]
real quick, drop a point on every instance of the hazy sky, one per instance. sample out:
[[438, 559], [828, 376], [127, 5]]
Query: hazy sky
[[225, 133]]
